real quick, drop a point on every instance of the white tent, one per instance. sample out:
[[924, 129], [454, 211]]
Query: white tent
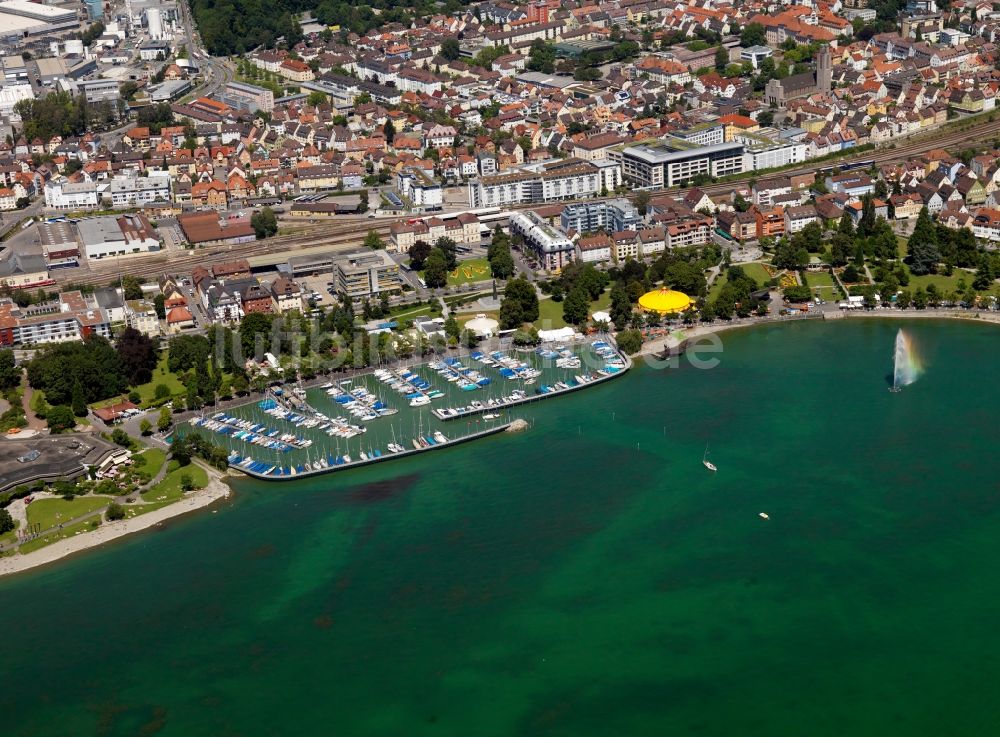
[[553, 336], [601, 317], [482, 326]]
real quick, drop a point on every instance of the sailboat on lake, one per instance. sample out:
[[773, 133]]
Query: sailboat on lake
[[707, 463]]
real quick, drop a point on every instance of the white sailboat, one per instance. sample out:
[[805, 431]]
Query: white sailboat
[[707, 463]]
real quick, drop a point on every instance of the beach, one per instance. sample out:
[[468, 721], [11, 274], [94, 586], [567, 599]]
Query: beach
[[217, 489]]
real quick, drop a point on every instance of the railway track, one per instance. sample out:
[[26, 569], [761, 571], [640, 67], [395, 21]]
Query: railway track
[[346, 233], [174, 263]]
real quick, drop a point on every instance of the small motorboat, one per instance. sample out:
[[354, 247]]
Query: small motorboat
[[763, 515]]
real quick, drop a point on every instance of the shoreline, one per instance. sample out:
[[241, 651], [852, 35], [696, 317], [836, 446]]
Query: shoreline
[[656, 347], [216, 490]]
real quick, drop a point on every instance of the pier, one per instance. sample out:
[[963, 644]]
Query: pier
[[357, 463]]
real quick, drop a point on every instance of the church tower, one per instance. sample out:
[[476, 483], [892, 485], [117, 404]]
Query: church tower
[[824, 70]]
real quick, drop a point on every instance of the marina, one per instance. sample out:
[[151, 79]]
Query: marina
[[400, 410]]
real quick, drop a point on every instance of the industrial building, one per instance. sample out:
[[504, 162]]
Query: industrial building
[[20, 19]]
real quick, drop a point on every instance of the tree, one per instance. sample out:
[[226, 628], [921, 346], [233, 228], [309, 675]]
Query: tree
[[6, 522], [131, 287], [629, 341], [115, 512], [60, 418], [389, 130], [721, 58], [145, 426], [519, 304], [418, 253], [450, 49], [501, 263], [576, 306], [158, 305], [449, 248], [164, 421], [253, 325], [436, 269], [753, 34], [264, 223], [186, 352], [621, 306], [542, 57], [923, 246], [642, 198], [316, 98], [94, 363], [373, 240], [78, 403], [867, 224], [137, 356], [10, 374]]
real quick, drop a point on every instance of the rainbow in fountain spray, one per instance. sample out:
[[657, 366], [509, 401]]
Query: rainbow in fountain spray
[[906, 362]]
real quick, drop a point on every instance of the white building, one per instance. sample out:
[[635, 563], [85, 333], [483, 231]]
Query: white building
[[551, 246], [135, 191], [419, 189], [546, 182], [61, 194], [766, 155]]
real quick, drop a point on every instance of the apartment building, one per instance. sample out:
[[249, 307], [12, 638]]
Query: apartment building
[[550, 245], [546, 182]]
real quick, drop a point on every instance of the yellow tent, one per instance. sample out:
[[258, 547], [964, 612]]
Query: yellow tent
[[665, 301]]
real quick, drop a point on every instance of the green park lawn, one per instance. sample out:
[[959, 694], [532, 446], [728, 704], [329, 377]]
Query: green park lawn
[[57, 535], [410, 312], [48, 513], [823, 286], [161, 375], [757, 272], [550, 313], [154, 458], [903, 249], [716, 287], [170, 488], [468, 272]]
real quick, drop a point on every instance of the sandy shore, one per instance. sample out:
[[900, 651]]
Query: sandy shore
[[108, 531]]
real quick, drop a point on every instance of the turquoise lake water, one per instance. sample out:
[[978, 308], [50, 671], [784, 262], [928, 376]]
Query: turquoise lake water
[[586, 577]]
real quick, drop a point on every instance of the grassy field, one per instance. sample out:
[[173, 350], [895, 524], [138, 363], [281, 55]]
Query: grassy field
[[161, 375], [823, 286], [169, 490], [51, 512], [757, 272], [944, 284], [56, 535], [410, 313], [716, 287], [154, 458], [550, 314]]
